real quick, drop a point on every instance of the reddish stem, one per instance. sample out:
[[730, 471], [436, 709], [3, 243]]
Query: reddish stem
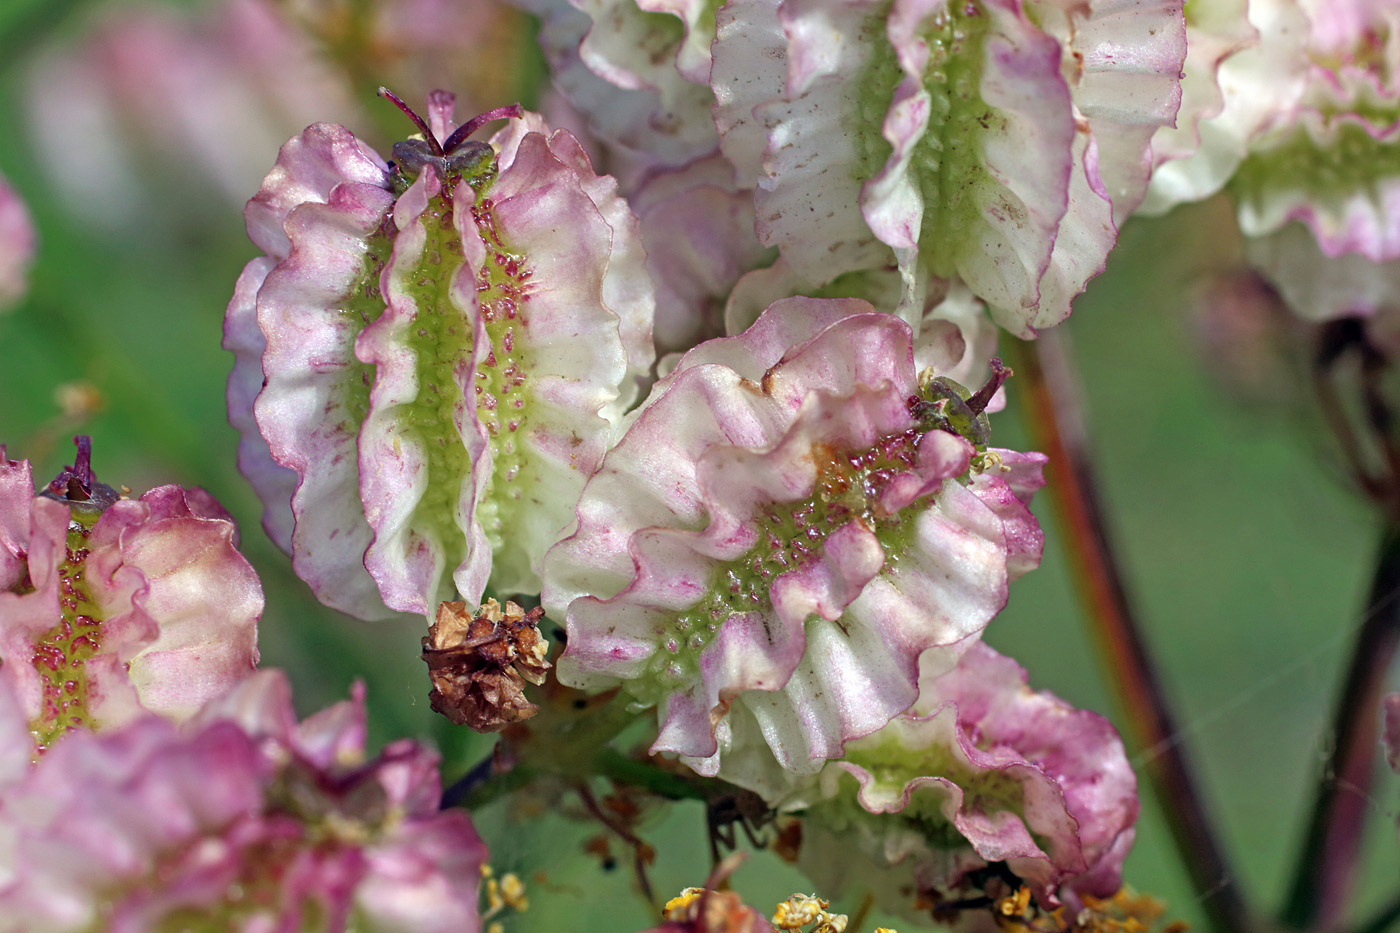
[[1054, 418], [1327, 862]]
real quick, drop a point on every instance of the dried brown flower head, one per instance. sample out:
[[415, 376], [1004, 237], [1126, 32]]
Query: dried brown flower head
[[478, 663]]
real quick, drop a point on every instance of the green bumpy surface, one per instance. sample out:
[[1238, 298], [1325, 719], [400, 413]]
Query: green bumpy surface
[[946, 164], [440, 337], [791, 535], [362, 305], [893, 765], [503, 397], [61, 654], [1354, 163]]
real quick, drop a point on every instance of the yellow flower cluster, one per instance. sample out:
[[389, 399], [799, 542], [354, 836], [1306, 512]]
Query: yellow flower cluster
[[794, 915], [508, 891], [1125, 912]]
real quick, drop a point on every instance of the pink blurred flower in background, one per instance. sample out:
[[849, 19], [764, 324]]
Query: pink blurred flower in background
[[17, 243], [241, 819], [165, 99]]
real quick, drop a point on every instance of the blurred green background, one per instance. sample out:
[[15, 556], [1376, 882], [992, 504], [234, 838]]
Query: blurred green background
[[1248, 556]]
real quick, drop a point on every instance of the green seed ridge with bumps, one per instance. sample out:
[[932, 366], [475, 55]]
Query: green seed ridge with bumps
[[1353, 163], [362, 305], [791, 535], [946, 164], [503, 395], [893, 765], [61, 654], [440, 338]]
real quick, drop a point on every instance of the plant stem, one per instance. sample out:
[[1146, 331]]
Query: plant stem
[[620, 769], [1330, 851], [1383, 919], [486, 774], [1055, 420], [566, 743], [31, 27]]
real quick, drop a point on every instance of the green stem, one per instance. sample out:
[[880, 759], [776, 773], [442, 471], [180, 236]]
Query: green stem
[[621, 769], [1383, 920], [1331, 848], [1054, 418], [31, 27], [567, 742], [484, 782]]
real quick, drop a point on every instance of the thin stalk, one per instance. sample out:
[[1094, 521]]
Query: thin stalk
[[491, 777], [30, 28], [1332, 847], [620, 769], [1383, 920], [1054, 417], [642, 854], [565, 742]]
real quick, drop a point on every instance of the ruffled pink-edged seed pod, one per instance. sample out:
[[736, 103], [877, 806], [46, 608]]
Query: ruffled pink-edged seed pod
[[997, 141], [698, 229], [241, 819], [981, 771], [1230, 85], [637, 74], [1319, 287], [1328, 161], [110, 607], [152, 92], [17, 242], [1312, 169], [791, 520], [438, 352], [956, 336]]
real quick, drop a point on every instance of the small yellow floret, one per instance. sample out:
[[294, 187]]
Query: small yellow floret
[[1015, 905], [494, 901], [513, 892], [677, 907], [798, 911]]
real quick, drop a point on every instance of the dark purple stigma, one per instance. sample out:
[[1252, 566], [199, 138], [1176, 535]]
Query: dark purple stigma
[[460, 134], [983, 396], [433, 145], [457, 153], [77, 486]]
